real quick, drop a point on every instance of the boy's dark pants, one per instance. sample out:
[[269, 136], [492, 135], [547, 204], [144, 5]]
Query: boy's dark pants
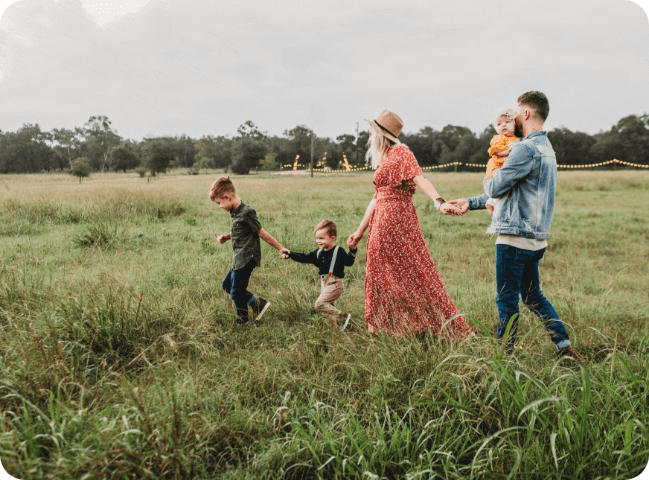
[[235, 284]]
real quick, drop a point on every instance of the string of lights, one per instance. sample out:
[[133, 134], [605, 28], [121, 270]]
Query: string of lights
[[479, 165], [435, 167], [608, 162]]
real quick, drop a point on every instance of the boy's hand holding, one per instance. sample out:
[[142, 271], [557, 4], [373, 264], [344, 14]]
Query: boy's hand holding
[[354, 239], [223, 238], [490, 209], [283, 252]]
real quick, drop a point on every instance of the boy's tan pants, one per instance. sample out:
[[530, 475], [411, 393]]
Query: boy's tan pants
[[331, 289]]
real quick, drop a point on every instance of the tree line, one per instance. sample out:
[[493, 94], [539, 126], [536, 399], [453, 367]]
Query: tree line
[[96, 146]]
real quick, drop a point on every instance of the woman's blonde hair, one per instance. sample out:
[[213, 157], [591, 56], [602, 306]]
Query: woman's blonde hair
[[379, 145]]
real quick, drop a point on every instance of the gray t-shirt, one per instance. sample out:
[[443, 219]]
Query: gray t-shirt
[[244, 228]]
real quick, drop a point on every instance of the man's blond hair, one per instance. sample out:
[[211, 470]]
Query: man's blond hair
[[220, 187], [327, 225]]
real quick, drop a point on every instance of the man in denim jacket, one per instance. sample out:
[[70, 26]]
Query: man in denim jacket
[[524, 191]]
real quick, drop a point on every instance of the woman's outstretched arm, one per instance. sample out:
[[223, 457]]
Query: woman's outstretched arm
[[431, 192]]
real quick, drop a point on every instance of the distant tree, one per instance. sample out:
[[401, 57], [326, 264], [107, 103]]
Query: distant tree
[[450, 139], [300, 144], [269, 163], [66, 143], [280, 147], [124, 157], [100, 137], [347, 145], [26, 151], [158, 154], [571, 148], [80, 167], [333, 160], [451, 134], [184, 150], [206, 153], [361, 147], [329, 151], [247, 153], [604, 147], [424, 146], [249, 129], [631, 139], [222, 151], [469, 150]]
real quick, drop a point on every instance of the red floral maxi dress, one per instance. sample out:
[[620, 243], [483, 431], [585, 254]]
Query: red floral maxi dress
[[404, 293]]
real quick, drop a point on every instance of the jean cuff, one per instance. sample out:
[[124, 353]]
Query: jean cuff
[[563, 344], [253, 299]]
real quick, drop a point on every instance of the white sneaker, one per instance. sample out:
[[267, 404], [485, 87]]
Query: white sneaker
[[349, 315], [264, 306]]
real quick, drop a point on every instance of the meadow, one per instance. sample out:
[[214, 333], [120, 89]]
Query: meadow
[[120, 358]]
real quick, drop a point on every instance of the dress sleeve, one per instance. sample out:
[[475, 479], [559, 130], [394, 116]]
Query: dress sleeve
[[403, 166]]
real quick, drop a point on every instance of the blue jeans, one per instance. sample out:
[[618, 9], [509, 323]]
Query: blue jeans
[[517, 274], [235, 284]]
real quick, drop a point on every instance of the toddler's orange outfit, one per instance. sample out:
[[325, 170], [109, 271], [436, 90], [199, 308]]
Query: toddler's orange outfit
[[499, 143]]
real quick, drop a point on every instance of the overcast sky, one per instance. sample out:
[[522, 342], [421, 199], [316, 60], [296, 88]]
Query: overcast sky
[[200, 67]]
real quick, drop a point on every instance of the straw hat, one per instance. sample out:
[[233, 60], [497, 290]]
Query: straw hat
[[389, 124]]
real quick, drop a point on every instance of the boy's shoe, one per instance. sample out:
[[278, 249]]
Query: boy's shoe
[[569, 352], [243, 321], [259, 308], [346, 324]]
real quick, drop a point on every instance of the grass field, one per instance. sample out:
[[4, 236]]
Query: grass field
[[120, 358]]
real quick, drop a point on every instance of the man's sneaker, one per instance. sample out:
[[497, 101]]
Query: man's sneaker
[[346, 324], [569, 352], [259, 308]]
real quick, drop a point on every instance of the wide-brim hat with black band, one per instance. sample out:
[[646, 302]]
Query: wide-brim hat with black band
[[389, 124]]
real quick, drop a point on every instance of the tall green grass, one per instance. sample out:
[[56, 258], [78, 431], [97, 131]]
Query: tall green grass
[[120, 357]]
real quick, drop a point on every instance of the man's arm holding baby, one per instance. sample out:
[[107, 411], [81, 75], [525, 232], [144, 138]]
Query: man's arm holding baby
[[517, 167]]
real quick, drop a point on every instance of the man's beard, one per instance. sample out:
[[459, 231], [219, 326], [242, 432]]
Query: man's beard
[[518, 130]]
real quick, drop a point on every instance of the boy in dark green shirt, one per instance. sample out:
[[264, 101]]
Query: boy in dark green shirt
[[245, 232]]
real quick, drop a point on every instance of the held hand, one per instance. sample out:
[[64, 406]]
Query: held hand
[[449, 209], [222, 239], [283, 252], [490, 209], [462, 203], [354, 239]]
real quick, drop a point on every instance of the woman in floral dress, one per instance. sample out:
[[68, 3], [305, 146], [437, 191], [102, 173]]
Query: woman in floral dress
[[404, 293]]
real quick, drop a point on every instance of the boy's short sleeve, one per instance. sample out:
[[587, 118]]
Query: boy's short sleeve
[[253, 221]]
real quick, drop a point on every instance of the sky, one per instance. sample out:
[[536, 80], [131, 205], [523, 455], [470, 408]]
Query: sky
[[196, 67]]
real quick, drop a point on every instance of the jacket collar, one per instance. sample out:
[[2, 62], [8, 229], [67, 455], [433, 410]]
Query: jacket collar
[[536, 133]]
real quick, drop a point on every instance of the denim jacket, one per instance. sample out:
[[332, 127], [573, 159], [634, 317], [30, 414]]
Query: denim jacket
[[524, 188]]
